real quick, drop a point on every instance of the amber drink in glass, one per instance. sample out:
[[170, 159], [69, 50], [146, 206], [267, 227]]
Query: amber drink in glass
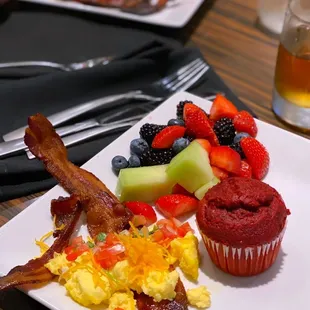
[[291, 95]]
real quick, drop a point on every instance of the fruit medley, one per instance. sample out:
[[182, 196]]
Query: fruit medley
[[173, 165]]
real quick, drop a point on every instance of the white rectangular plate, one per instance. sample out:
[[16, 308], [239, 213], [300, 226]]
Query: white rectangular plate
[[175, 15], [284, 286]]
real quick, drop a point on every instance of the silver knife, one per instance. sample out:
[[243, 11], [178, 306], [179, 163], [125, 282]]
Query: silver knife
[[93, 132], [68, 114], [17, 145]]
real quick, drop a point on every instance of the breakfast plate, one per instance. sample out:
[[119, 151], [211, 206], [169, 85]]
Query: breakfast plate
[[284, 286], [176, 15]]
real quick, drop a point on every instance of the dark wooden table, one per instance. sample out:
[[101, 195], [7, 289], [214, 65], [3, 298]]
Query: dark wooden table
[[239, 51]]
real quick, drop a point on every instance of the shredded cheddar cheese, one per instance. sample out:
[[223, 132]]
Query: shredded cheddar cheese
[[61, 227], [138, 249], [41, 243]]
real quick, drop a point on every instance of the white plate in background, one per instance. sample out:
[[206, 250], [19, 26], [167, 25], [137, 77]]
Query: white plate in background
[[175, 15]]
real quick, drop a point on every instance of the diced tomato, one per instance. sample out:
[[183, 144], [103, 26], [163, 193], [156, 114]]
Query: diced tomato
[[169, 232], [158, 236], [69, 249], [176, 222], [77, 240], [184, 229], [108, 253], [164, 222], [77, 248], [74, 253], [111, 239], [170, 229]]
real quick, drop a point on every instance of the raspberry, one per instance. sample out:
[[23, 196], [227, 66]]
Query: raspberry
[[149, 131], [154, 157], [225, 131], [180, 108]]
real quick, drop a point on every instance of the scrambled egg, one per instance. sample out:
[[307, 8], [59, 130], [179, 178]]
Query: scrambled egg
[[122, 300], [58, 265], [199, 297], [120, 272], [140, 271], [186, 251], [160, 285], [80, 282], [82, 289]]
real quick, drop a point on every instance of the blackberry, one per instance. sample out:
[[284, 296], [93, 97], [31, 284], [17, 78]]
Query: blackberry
[[225, 131], [154, 157], [237, 147], [180, 108], [189, 138], [149, 131]]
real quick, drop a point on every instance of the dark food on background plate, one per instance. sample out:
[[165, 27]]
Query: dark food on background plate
[[128, 4]]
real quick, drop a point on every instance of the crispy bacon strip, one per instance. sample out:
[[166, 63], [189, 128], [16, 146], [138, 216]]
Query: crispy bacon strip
[[62, 208], [34, 271], [104, 212], [180, 301]]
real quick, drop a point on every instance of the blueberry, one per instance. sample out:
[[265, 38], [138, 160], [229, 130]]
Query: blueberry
[[180, 144], [239, 136], [134, 161], [119, 162], [138, 146], [178, 122]]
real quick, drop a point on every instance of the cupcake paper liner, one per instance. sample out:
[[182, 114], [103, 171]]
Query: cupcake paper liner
[[247, 261]]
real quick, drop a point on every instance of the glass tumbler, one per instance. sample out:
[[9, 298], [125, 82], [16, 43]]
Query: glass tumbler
[[291, 94], [271, 14]]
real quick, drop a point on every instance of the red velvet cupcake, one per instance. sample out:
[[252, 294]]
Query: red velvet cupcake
[[242, 222]]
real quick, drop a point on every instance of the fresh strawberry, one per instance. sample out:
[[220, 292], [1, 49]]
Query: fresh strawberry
[[219, 173], [256, 155], [142, 208], [165, 138], [205, 144], [225, 158], [244, 122], [197, 124], [222, 107], [245, 170], [211, 122], [178, 189], [176, 205]]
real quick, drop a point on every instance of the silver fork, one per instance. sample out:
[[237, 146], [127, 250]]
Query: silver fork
[[180, 80], [63, 67], [18, 145]]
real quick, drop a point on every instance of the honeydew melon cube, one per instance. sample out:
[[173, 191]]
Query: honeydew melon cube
[[200, 193], [143, 184], [191, 168]]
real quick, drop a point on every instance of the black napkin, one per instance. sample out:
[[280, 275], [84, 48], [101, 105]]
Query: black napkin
[[140, 59]]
